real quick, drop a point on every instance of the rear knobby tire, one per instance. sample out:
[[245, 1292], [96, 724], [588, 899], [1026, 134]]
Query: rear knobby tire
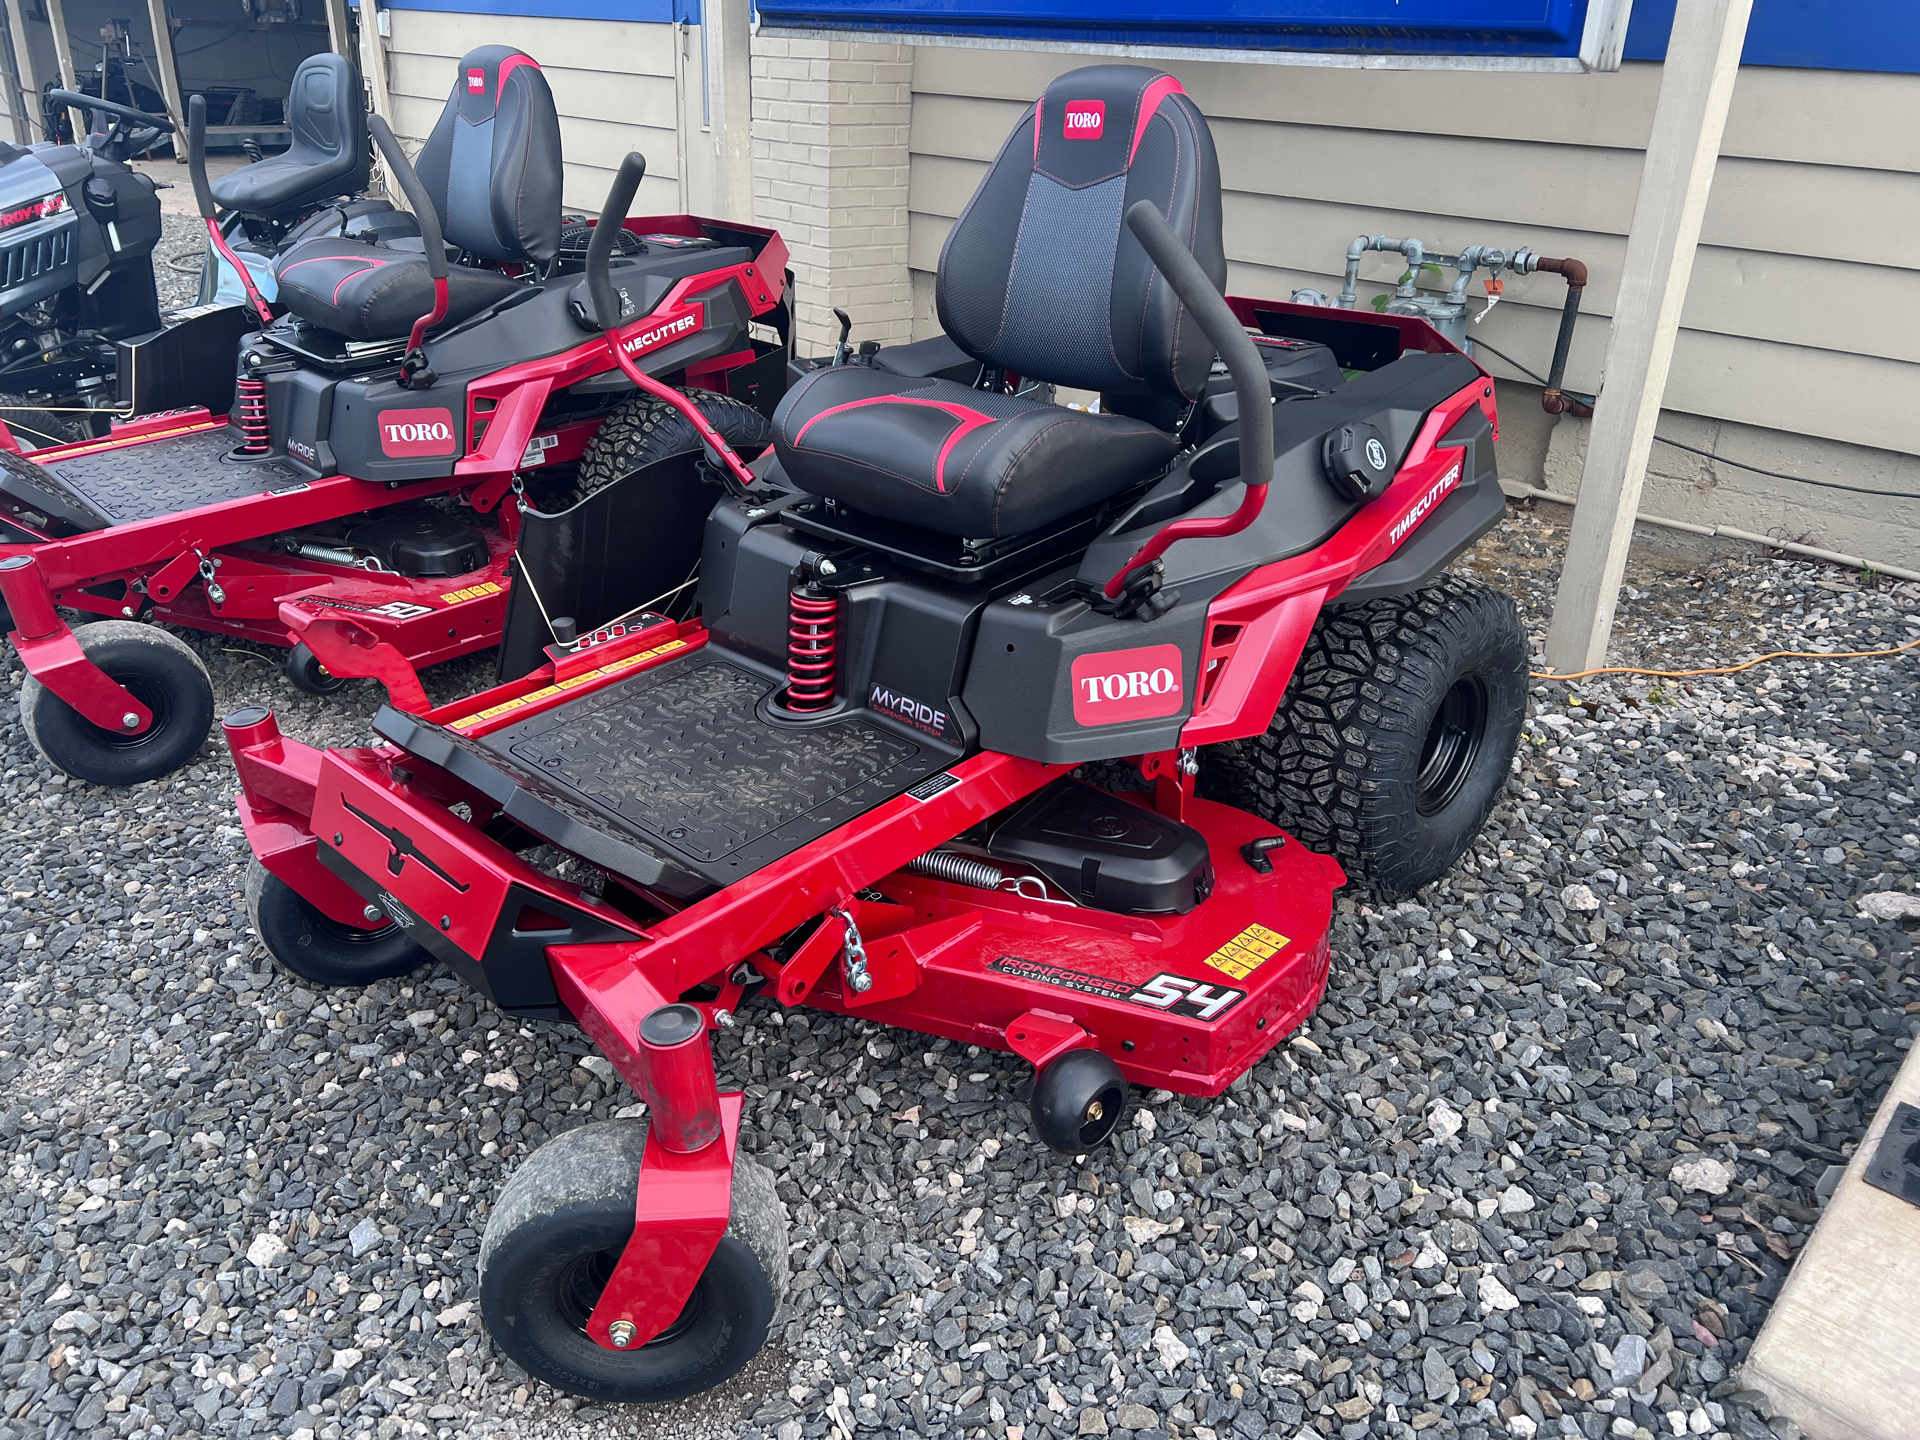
[[1396, 734], [643, 430], [158, 669], [553, 1239], [319, 948]]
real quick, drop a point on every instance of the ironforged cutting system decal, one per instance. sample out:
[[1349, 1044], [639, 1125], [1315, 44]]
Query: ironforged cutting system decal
[[1424, 506], [1169, 994]]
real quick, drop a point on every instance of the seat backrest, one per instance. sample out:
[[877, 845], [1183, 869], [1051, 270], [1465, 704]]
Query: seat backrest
[[328, 117], [492, 163], [1040, 273]]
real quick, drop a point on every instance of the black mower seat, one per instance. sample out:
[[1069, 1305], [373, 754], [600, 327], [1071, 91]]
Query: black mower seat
[[492, 168], [956, 460], [375, 292], [1040, 278], [328, 156]]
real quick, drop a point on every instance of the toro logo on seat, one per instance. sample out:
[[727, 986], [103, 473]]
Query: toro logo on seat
[[1085, 120], [1117, 685], [405, 434]]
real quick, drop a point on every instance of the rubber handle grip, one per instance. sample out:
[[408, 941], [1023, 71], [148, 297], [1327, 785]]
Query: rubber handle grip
[[418, 200], [197, 154], [606, 305], [1222, 327]]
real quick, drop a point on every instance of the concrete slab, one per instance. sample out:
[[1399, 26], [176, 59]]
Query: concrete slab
[[1840, 1352]]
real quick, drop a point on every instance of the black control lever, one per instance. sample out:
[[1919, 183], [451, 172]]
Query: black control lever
[[203, 197], [843, 351]]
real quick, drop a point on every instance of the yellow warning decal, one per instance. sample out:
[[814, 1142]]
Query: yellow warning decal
[[1248, 951], [467, 722], [472, 592]]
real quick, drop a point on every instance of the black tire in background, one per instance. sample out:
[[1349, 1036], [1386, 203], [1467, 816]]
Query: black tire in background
[[307, 674], [158, 669], [644, 429], [318, 948], [1395, 736], [554, 1237], [36, 428]]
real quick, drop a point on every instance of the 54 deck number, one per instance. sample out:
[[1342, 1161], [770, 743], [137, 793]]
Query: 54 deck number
[[1177, 995]]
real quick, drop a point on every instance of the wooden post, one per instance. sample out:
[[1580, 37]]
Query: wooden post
[[726, 27], [1703, 58], [169, 74], [23, 101], [63, 55], [373, 60], [339, 33]]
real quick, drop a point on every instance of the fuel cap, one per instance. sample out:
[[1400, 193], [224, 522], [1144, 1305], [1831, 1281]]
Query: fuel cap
[[1358, 464]]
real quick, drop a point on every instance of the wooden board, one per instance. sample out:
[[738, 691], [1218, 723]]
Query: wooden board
[[1840, 1352]]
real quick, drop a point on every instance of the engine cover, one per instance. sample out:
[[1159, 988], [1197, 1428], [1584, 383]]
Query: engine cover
[[420, 540], [1107, 852]]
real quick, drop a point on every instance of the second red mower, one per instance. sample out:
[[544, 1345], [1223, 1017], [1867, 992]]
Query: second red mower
[[359, 505]]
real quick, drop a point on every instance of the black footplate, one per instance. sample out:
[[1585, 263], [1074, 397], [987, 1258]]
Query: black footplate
[[145, 481], [680, 772]]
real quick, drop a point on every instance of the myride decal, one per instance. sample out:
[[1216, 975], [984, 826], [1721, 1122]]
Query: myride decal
[[1424, 506], [1113, 686], [1085, 120], [406, 434], [1169, 994], [916, 713], [653, 334]]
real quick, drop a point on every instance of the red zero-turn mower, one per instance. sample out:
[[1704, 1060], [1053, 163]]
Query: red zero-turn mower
[[850, 782], [359, 505]]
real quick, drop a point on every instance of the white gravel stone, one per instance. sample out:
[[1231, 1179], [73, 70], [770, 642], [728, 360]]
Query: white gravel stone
[[1703, 1175]]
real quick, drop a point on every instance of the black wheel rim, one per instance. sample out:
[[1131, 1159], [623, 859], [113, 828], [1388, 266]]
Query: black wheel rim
[[155, 698], [1102, 1113], [581, 1282], [348, 934], [1452, 745]]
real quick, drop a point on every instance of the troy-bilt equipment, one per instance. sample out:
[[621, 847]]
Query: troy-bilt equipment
[[851, 782], [359, 505]]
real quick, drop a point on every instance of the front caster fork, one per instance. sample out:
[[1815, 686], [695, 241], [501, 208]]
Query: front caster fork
[[685, 1194]]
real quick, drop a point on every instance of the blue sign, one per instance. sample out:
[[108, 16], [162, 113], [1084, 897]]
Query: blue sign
[[1881, 35], [1539, 29]]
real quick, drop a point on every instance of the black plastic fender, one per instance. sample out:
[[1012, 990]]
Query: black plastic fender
[[1476, 505]]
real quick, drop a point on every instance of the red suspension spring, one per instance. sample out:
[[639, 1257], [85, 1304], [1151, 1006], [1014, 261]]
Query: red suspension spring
[[812, 638], [256, 433]]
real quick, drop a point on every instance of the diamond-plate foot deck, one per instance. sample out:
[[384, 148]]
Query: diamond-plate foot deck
[[162, 477]]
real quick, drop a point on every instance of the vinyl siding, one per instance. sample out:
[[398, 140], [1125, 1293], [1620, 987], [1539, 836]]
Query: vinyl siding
[[1797, 314]]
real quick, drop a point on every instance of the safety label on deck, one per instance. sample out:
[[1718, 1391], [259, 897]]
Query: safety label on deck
[[1248, 951], [934, 785]]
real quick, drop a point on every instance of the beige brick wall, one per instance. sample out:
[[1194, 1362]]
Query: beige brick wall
[[831, 126]]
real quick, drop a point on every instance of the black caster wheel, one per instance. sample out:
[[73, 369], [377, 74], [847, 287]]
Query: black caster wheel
[[554, 1238], [306, 672], [1078, 1101], [159, 670], [319, 948]]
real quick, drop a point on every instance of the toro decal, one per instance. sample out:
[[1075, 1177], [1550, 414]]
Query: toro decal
[[657, 335], [1085, 120], [1113, 686], [406, 434], [476, 82], [1423, 507]]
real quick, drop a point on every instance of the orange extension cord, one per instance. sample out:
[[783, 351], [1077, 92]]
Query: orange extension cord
[[1729, 669]]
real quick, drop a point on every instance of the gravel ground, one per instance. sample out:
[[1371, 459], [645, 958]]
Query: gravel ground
[[1537, 1165], [183, 239]]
